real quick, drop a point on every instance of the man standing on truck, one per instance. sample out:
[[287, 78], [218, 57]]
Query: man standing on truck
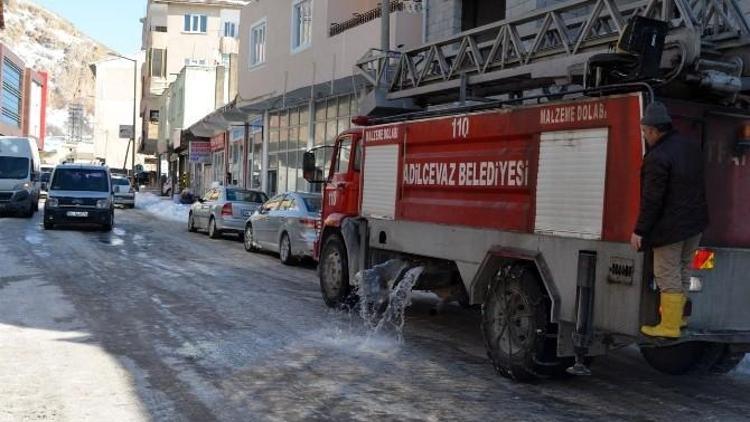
[[673, 213]]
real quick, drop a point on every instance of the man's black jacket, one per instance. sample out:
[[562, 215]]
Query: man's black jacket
[[673, 192]]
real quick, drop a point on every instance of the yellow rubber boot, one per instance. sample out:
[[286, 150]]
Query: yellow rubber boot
[[672, 305]]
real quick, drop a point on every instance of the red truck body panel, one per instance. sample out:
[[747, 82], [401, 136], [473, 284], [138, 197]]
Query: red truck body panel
[[487, 178]]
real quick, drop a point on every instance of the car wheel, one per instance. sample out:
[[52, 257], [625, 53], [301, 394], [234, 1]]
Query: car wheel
[[108, 227], [48, 225], [213, 233], [285, 250], [249, 241], [191, 224], [29, 212]]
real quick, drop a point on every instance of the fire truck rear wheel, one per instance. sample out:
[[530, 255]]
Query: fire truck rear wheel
[[727, 361], [515, 316], [678, 359], [333, 271]]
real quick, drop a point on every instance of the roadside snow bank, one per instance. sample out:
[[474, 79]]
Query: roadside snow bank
[[165, 209]]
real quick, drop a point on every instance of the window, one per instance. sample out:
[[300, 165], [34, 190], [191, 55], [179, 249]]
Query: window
[[230, 29], [196, 23], [14, 167], [273, 204], [153, 116], [158, 63], [246, 196], [11, 98], [301, 24], [258, 44], [81, 180], [313, 204], [286, 204], [195, 62], [345, 151]]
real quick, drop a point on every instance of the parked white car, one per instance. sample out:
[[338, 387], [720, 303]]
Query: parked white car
[[19, 176], [124, 192]]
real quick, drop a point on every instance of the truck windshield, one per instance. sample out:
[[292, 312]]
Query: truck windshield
[[14, 167], [80, 180]]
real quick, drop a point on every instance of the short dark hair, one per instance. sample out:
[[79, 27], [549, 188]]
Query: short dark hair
[[664, 127]]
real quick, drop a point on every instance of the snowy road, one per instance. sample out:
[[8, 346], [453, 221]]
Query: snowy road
[[151, 322]]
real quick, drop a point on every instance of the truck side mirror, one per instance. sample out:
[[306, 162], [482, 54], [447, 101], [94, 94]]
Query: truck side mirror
[[314, 164]]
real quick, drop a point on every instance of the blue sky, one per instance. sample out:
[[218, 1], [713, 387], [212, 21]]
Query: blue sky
[[115, 23]]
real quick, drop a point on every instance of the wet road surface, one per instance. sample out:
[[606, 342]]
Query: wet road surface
[[151, 322]]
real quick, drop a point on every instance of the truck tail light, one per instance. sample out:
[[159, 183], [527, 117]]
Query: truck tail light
[[226, 210], [704, 259]]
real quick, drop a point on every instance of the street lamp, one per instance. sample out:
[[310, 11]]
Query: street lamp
[[135, 112]]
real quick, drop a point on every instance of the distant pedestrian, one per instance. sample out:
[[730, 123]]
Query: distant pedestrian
[[673, 213], [187, 197]]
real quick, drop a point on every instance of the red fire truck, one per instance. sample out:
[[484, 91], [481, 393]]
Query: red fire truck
[[525, 205], [528, 210]]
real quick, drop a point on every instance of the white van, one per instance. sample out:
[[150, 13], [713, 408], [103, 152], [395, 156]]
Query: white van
[[19, 176]]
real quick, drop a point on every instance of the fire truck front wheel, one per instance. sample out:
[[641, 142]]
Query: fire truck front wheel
[[514, 324], [333, 272]]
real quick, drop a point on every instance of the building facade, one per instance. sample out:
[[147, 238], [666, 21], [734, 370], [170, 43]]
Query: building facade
[[113, 107], [35, 105], [297, 85], [23, 103], [179, 33], [197, 91]]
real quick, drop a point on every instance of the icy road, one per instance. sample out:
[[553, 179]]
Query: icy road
[[151, 322]]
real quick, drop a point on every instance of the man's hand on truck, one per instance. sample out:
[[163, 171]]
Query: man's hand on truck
[[636, 241]]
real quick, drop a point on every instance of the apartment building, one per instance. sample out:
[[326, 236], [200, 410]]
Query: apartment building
[[297, 85], [113, 107], [23, 103], [179, 33]]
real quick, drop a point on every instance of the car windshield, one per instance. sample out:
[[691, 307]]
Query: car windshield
[[46, 176], [80, 180], [312, 203], [246, 196], [119, 181], [14, 167]]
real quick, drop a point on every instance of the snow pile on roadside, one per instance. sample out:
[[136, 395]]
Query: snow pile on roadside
[[162, 208]]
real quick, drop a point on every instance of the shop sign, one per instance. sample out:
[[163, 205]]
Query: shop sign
[[176, 138], [217, 142], [200, 152]]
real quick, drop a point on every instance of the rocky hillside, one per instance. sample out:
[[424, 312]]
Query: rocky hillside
[[48, 42]]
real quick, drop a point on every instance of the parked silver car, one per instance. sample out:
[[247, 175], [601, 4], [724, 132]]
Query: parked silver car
[[287, 224], [124, 192], [224, 210]]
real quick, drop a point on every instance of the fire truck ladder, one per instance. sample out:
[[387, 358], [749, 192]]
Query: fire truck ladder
[[706, 43]]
